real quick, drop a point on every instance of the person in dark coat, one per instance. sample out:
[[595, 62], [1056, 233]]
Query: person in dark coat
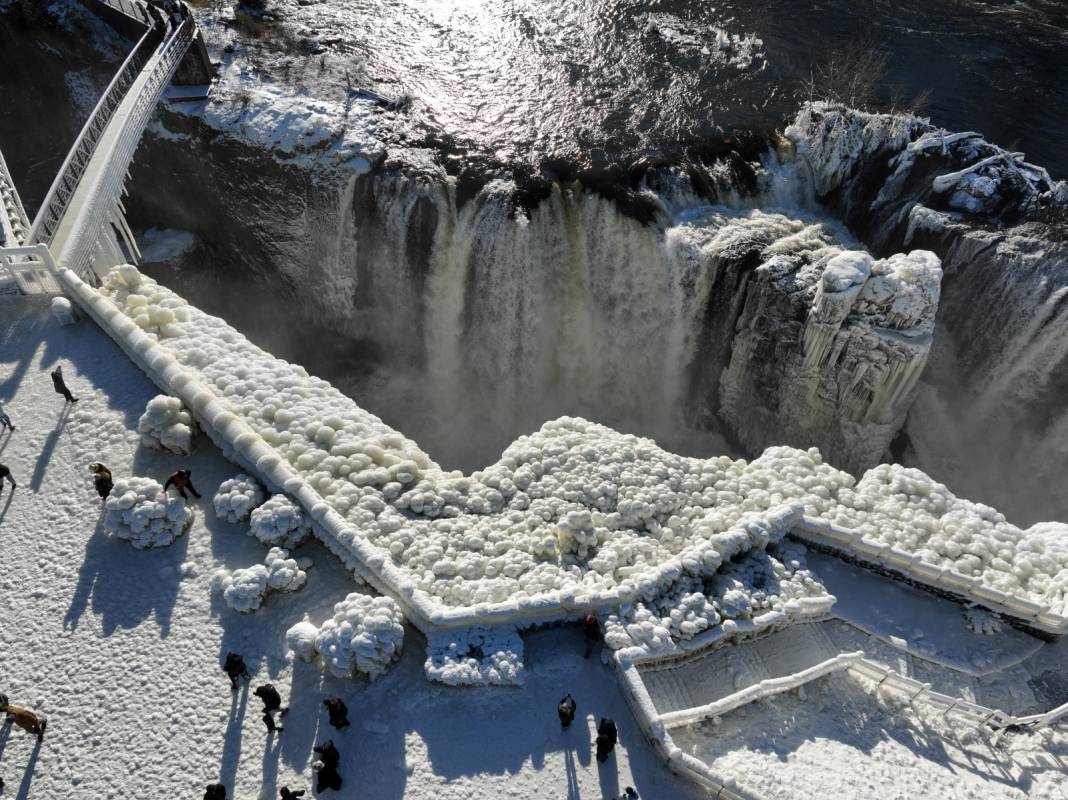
[[289, 794], [592, 631], [5, 474], [272, 701], [268, 720], [566, 710], [328, 776], [101, 479], [5, 420], [180, 481], [235, 668], [606, 738], [215, 791], [338, 711], [61, 386]]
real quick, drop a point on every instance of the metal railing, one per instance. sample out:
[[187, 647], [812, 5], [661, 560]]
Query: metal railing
[[52, 210], [78, 252]]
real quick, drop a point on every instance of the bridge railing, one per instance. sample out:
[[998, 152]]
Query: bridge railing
[[52, 210], [79, 251], [11, 206]]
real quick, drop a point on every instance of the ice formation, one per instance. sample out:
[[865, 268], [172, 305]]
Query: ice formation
[[575, 514], [279, 521], [166, 425], [245, 589], [300, 640], [364, 636], [982, 622], [905, 508], [476, 656], [754, 584], [62, 311], [139, 511], [237, 497]]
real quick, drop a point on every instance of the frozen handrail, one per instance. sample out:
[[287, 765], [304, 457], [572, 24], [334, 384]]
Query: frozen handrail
[[11, 205]]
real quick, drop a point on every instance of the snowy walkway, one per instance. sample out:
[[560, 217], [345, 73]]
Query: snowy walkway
[[121, 648]]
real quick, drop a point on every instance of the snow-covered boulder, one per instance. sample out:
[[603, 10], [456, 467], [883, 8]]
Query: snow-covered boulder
[[139, 511], [62, 311], [245, 589], [365, 636], [478, 656], [237, 497], [166, 425], [279, 521]]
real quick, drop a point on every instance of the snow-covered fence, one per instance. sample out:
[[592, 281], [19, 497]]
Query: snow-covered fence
[[11, 207], [758, 691], [911, 566], [684, 764]]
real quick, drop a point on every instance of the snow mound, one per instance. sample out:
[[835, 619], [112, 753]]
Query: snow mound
[[279, 521], [244, 590], [166, 425], [478, 656], [237, 497], [364, 636], [139, 511], [62, 311], [300, 639]]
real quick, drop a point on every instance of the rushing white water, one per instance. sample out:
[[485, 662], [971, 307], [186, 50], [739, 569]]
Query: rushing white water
[[490, 319]]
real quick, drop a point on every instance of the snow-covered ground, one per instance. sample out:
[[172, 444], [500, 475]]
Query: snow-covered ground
[[121, 648]]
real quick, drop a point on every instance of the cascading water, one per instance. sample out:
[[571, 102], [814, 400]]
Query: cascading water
[[490, 319]]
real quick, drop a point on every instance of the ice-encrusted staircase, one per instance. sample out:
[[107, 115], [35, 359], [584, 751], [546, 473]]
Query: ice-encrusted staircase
[[719, 672]]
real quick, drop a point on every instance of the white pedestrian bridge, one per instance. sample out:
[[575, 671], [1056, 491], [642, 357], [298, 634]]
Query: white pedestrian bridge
[[80, 224]]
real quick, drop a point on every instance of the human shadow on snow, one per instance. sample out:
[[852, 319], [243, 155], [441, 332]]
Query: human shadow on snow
[[126, 585], [48, 448]]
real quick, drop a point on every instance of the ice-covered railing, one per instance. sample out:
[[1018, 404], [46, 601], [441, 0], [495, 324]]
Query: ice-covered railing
[[79, 251], [11, 205], [55, 205]]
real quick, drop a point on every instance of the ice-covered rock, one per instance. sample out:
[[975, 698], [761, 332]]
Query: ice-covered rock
[[237, 497], [364, 636], [166, 425], [478, 656], [139, 511], [279, 521]]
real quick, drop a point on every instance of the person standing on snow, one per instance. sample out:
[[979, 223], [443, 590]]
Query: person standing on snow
[[288, 794], [592, 631], [606, 738], [101, 479], [326, 767], [60, 385], [215, 791], [566, 710], [180, 481], [272, 702], [338, 711], [5, 473], [235, 668], [5, 420]]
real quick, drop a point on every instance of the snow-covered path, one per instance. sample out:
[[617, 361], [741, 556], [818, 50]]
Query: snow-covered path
[[121, 648]]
